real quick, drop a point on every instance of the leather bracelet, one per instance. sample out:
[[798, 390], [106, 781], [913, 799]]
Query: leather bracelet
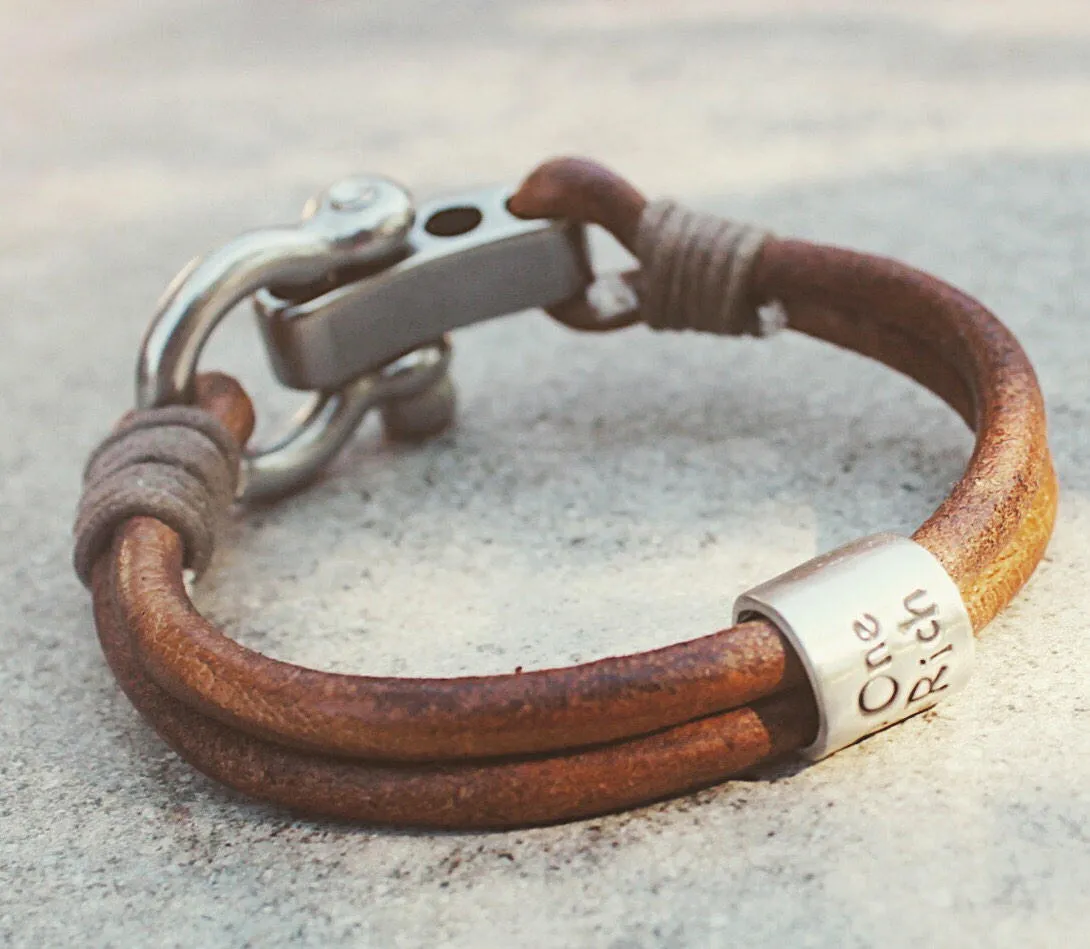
[[554, 744]]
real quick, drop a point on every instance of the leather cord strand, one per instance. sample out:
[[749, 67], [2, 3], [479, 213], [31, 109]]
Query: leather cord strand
[[558, 744]]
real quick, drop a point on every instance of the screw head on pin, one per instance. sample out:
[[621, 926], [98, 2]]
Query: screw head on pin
[[351, 194], [366, 212]]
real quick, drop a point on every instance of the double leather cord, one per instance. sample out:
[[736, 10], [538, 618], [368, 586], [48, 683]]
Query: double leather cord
[[559, 744]]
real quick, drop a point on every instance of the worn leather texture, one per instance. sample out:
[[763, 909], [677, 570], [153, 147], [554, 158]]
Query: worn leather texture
[[557, 744]]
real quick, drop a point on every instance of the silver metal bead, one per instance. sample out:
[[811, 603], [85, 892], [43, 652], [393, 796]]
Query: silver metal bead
[[881, 629]]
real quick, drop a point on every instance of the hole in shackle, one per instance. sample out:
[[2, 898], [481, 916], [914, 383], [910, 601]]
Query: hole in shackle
[[453, 222]]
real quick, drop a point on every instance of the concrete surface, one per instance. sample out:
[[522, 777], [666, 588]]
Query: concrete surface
[[599, 495]]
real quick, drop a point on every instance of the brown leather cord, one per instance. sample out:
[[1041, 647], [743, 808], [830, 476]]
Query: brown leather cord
[[992, 530], [429, 719], [563, 743], [500, 793]]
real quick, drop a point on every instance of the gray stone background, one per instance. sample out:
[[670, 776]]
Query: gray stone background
[[599, 495]]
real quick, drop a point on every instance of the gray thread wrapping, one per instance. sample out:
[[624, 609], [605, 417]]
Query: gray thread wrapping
[[177, 464], [697, 270]]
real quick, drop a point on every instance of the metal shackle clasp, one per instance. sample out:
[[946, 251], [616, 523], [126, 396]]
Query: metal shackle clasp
[[354, 303], [465, 259]]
